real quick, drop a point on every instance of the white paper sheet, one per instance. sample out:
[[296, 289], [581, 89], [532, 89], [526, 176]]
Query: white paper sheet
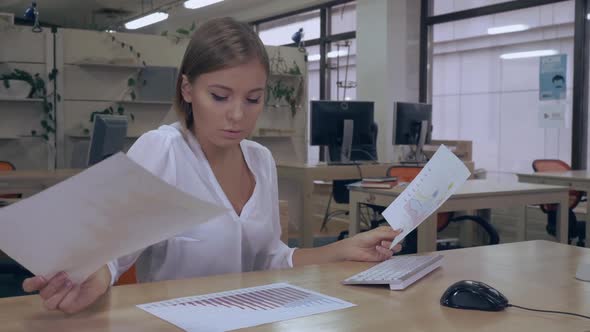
[[437, 181], [243, 308], [111, 209]]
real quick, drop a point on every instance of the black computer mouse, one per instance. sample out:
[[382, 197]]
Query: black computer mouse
[[473, 295]]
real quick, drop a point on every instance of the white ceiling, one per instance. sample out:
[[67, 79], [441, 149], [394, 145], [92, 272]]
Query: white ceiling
[[99, 14]]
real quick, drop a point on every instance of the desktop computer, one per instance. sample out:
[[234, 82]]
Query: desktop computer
[[108, 137], [413, 126], [346, 128]]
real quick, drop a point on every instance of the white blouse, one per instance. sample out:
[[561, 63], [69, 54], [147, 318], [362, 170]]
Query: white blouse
[[226, 244]]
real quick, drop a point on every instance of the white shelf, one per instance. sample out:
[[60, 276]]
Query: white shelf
[[144, 102], [270, 132], [277, 75], [106, 64], [82, 136], [14, 138], [21, 100]]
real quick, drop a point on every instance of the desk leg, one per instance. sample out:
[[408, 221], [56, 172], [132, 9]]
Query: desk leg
[[427, 234], [307, 212], [562, 217], [587, 220], [521, 225], [353, 213]]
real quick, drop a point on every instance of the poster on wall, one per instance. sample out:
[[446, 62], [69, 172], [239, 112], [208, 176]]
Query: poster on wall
[[552, 114], [552, 77]]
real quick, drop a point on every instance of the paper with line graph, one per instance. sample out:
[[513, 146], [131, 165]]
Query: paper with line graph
[[437, 181], [243, 308]]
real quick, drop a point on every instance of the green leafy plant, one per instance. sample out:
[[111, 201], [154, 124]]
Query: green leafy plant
[[38, 90], [180, 33], [280, 92], [132, 81]]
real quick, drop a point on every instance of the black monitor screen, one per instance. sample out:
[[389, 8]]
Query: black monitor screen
[[408, 120], [108, 137], [327, 122]]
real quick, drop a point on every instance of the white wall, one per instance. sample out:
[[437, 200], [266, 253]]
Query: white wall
[[493, 102], [387, 60]]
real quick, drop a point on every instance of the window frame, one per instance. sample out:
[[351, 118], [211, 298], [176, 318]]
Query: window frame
[[580, 70]]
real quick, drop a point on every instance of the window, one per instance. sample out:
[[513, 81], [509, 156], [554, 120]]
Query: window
[[342, 65], [449, 6], [331, 57], [494, 102], [279, 31], [343, 18]]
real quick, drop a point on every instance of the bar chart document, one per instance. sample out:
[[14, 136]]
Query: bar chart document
[[438, 180], [113, 208], [243, 308]]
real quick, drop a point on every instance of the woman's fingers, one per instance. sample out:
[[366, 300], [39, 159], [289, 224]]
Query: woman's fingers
[[34, 284], [53, 302], [55, 284], [384, 252]]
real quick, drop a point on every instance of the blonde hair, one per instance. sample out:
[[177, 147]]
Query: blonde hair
[[217, 44]]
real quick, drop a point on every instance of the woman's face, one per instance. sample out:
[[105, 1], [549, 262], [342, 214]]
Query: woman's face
[[226, 103]]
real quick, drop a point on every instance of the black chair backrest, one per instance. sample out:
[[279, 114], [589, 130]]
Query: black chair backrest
[[340, 191]]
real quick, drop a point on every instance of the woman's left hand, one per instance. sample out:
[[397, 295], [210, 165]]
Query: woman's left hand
[[370, 246]]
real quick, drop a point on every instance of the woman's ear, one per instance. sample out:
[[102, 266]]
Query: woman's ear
[[186, 88]]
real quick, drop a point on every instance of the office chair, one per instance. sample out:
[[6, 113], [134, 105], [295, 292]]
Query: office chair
[[407, 174], [6, 166], [340, 192], [577, 229]]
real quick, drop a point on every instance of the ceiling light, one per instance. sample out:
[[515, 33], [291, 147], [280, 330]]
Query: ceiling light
[[507, 29], [194, 4], [529, 54], [335, 54], [146, 20], [314, 57]]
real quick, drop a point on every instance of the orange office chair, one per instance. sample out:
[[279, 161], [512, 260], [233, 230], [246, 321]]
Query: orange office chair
[[6, 166], [407, 174], [577, 229], [128, 278]]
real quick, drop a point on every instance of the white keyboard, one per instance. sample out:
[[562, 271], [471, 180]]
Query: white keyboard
[[399, 272]]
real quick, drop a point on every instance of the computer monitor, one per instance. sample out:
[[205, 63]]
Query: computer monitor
[[342, 125], [108, 137], [413, 126]]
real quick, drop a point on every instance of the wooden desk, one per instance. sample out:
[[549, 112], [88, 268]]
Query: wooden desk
[[577, 180], [535, 274], [296, 186], [31, 182], [474, 195]]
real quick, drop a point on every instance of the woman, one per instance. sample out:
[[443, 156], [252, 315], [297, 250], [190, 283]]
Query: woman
[[219, 95]]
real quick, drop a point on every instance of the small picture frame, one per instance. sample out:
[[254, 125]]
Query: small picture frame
[[6, 18]]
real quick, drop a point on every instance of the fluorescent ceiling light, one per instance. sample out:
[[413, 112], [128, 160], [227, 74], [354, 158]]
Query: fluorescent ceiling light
[[146, 20], [335, 54], [194, 4], [507, 29], [529, 54], [313, 57], [588, 16]]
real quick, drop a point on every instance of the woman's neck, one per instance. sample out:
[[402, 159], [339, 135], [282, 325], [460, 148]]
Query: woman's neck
[[217, 155]]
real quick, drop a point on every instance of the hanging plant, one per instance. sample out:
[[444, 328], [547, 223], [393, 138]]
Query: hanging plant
[[132, 81], [38, 90], [180, 33]]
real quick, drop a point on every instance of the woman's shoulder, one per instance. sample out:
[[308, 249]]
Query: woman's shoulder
[[160, 138], [257, 150], [154, 150]]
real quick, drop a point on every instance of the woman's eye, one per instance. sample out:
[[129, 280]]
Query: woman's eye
[[218, 97], [253, 100]]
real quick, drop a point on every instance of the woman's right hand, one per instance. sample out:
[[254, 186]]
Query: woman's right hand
[[59, 293]]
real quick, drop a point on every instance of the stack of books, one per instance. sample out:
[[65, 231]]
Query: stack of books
[[387, 182]]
